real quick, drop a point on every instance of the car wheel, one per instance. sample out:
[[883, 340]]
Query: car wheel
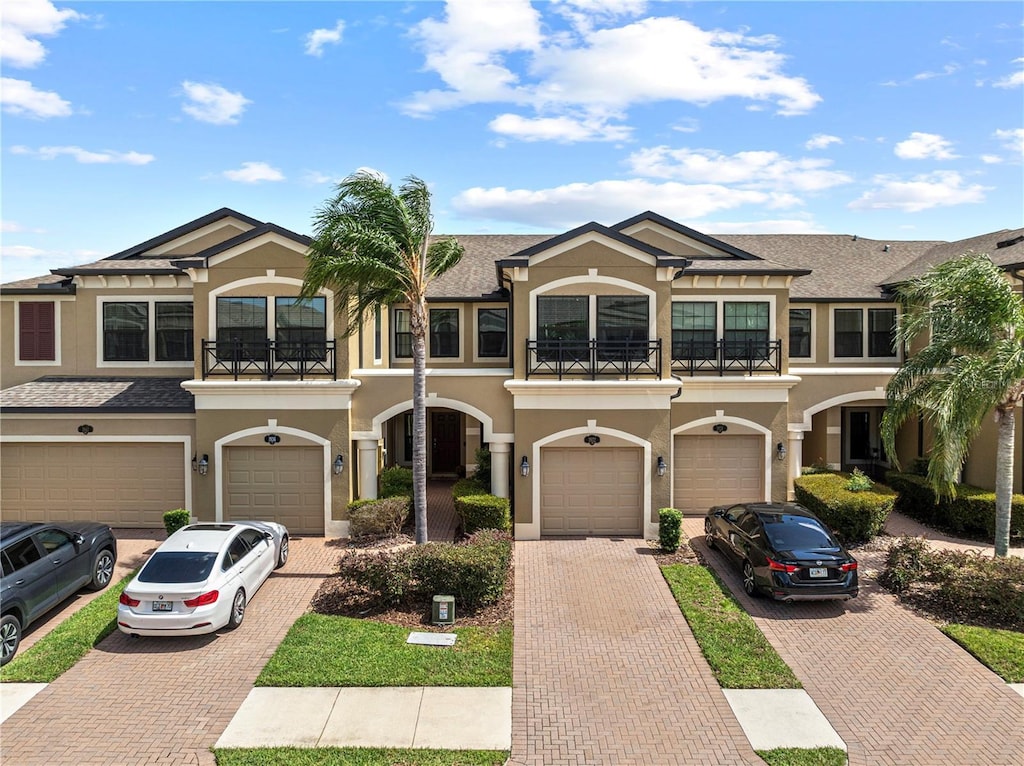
[[282, 555], [10, 637], [709, 535], [237, 610], [102, 570], [749, 584]]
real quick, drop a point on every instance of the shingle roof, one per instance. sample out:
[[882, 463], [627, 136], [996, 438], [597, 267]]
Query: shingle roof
[[133, 266], [475, 275], [49, 283], [1011, 254], [98, 394]]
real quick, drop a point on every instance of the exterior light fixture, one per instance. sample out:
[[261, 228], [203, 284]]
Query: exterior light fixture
[[339, 465], [591, 439], [780, 451], [204, 465], [720, 428], [85, 429], [195, 462], [524, 466], [661, 466]]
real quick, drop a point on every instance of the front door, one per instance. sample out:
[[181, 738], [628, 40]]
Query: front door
[[445, 442]]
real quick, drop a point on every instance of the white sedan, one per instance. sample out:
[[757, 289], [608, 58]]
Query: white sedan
[[201, 578]]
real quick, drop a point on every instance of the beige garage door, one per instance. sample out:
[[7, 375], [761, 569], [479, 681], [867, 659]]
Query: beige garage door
[[284, 484], [123, 485], [591, 491], [715, 470]]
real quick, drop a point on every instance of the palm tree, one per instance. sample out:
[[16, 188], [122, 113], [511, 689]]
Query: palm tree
[[973, 363], [372, 247]]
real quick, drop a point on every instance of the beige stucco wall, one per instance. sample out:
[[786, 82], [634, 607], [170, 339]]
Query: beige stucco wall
[[12, 372], [980, 469]]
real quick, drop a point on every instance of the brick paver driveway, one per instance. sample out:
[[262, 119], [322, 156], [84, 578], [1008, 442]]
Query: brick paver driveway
[[895, 688], [163, 700], [606, 670]]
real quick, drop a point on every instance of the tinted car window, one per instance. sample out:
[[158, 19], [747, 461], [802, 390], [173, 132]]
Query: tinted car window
[[252, 536], [787, 531], [52, 539], [8, 566], [178, 566], [235, 553], [21, 553], [749, 524]]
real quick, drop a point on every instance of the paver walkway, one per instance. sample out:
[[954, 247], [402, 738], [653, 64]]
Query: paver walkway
[[606, 670], [167, 700], [891, 684]]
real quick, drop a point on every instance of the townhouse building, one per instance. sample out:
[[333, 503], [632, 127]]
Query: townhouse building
[[609, 370]]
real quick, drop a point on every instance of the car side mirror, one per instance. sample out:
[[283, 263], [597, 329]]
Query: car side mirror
[[77, 539], [268, 537], [719, 512]]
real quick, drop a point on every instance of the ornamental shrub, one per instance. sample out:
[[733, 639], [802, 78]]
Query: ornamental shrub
[[483, 512], [859, 481], [394, 481], [855, 517], [469, 486], [387, 575], [482, 475], [670, 526], [378, 516], [474, 571], [176, 519]]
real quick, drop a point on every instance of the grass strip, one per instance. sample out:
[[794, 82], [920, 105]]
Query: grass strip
[[66, 644], [1001, 650], [798, 756], [323, 650], [356, 756], [735, 648]]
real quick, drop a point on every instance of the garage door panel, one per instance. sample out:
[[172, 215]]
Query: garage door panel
[[591, 491], [716, 470], [284, 484]]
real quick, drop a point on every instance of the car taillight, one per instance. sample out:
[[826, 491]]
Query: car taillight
[[202, 600], [776, 566], [848, 567], [128, 600]]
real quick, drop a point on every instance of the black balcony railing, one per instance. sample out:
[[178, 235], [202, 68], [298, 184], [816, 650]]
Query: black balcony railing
[[594, 358], [269, 359], [722, 356]]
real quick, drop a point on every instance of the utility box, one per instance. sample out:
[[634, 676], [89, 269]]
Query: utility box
[[444, 610]]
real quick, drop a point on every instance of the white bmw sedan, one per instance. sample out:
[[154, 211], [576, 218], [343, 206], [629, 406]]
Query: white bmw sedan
[[201, 578]]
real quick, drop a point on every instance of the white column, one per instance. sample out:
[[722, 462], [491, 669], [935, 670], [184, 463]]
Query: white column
[[499, 467], [796, 460], [367, 468]]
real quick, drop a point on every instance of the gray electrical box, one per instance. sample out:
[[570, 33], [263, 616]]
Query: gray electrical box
[[444, 610]]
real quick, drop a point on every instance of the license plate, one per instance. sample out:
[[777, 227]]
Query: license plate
[[163, 606], [818, 572]]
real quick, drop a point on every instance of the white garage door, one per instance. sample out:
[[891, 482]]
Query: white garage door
[[284, 484], [715, 470], [591, 491], [123, 485]]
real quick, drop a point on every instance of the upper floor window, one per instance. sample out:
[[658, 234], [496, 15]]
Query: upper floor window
[[147, 331], [444, 332], [745, 329], [800, 333], [562, 317], [694, 330], [378, 340], [403, 334], [126, 332], [301, 327], [242, 322], [622, 318], [882, 332], [37, 331], [492, 332], [850, 339], [174, 332]]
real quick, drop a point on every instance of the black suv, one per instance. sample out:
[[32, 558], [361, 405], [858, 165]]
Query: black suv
[[43, 564]]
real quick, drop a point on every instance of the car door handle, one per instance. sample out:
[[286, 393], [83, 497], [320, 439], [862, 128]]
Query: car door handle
[[19, 582]]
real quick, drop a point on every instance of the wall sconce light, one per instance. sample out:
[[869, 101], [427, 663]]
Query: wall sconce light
[[339, 465], [661, 466], [780, 451], [85, 429], [591, 439], [720, 428], [195, 462], [204, 465], [524, 466]]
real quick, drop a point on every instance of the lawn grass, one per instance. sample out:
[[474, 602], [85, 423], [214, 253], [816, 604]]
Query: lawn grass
[[323, 650], [356, 756], [66, 644], [738, 653], [798, 756], [1000, 650]]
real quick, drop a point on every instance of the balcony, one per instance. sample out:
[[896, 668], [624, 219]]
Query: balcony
[[594, 358], [269, 359], [727, 356]]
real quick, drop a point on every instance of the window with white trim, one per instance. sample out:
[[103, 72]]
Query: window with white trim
[[147, 331], [864, 333], [37, 331], [242, 325], [492, 333], [403, 333], [444, 333], [800, 333]]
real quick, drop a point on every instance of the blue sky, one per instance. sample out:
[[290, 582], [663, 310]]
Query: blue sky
[[122, 120]]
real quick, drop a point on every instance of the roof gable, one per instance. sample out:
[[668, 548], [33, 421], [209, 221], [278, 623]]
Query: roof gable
[[180, 236], [692, 239]]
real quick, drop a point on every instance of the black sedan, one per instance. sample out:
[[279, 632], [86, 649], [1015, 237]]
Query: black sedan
[[785, 551], [43, 564]]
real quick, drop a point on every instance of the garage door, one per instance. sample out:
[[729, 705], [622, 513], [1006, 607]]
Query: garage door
[[715, 470], [123, 485], [591, 491], [284, 484]]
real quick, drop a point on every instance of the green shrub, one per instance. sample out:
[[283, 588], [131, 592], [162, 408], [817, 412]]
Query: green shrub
[[859, 481], [919, 466], [474, 571], [378, 516], [670, 525], [972, 513], [483, 469], [395, 481], [386, 575], [469, 486], [855, 517], [176, 519], [483, 512]]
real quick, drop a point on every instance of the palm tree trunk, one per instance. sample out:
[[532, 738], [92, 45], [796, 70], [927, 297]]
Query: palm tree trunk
[[1004, 478], [418, 330]]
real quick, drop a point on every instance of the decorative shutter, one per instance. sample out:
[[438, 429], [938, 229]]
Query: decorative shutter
[[38, 331]]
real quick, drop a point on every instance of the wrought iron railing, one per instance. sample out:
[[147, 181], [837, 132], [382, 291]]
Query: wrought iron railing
[[594, 358], [269, 359], [722, 356]]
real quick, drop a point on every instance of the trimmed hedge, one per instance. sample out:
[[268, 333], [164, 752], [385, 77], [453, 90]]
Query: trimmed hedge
[[483, 512], [378, 516], [469, 486], [972, 513], [176, 519], [670, 525], [395, 481], [855, 517]]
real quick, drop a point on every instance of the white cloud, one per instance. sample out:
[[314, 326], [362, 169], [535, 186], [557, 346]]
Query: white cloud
[[318, 38], [25, 20], [253, 173], [21, 251], [822, 141], [991, 159], [946, 71], [771, 226], [1014, 80], [921, 146], [755, 169], [209, 102], [687, 125], [923, 192], [86, 157], [1013, 139], [499, 53], [20, 97], [13, 227], [563, 129]]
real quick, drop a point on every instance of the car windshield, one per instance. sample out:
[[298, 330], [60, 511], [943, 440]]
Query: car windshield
[[178, 566], [788, 532]]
